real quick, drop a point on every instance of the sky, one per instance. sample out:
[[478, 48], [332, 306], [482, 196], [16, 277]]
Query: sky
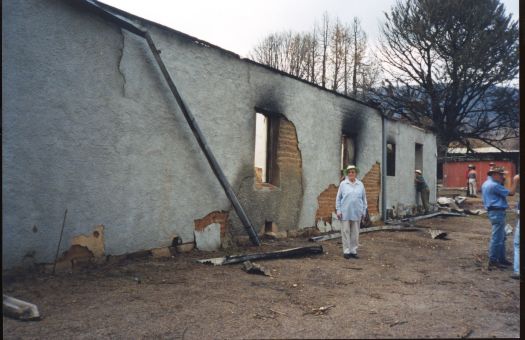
[[238, 25]]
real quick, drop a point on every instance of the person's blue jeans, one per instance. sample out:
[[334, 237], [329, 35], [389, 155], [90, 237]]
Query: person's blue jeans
[[497, 240], [517, 247]]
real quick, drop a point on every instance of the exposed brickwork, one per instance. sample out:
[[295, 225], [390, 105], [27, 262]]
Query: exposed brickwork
[[326, 203], [372, 182], [214, 217], [288, 153], [288, 156]]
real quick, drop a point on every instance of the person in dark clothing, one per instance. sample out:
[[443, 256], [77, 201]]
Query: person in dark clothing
[[422, 189]]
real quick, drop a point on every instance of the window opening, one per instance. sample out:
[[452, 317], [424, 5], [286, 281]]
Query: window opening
[[348, 152], [390, 159], [419, 157], [266, 134]]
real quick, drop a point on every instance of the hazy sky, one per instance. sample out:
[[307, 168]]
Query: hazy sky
[[238, 25]]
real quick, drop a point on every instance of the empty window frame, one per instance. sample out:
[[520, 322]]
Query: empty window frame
[[390, 159], [266, 134], [418, 157], [348, 151]]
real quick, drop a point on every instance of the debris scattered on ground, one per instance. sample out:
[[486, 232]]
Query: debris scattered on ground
[[319, 311], [475, 212], [423, 217], [454, 204], [389, 227], [459, 199], [254, 268], [437, 234], [362, 231], [19, 309], [279, 254], [397, 323]]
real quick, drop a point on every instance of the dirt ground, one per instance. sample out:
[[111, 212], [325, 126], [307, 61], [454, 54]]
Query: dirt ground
[[405, 284]]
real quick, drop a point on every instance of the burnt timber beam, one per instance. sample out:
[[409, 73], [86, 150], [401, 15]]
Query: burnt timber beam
[[278, 254]]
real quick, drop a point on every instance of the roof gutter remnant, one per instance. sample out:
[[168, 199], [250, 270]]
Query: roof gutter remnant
[[125, 24]]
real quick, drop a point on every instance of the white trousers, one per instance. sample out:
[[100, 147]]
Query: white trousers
[[472, 186], [350, 236]]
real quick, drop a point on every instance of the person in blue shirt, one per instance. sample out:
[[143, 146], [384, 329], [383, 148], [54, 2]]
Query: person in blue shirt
[[495, 201], [351, 208]]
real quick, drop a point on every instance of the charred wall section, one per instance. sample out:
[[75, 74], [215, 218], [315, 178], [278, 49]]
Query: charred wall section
[[278, 204]]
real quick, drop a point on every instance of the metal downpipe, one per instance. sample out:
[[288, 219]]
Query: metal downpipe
[[125, 24]]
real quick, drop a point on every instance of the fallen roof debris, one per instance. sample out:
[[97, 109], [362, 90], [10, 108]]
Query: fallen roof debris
[[19, 309], [291, 252]]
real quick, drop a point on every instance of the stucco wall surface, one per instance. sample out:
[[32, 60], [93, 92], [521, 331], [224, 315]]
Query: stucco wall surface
[[400, 189], [89, 124]]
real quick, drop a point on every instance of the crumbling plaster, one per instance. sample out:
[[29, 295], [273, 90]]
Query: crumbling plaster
[[90, 125]]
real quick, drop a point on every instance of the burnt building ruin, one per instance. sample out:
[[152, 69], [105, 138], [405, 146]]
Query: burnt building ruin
[[90, 125]]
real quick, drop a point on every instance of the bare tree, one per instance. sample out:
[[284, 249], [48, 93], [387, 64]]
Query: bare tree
[[325, 35], [450, 63], [337, 53], [332, 56], [286, 51], [359, 38]]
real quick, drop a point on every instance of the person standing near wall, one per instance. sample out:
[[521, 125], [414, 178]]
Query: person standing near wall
[[495, 201], [351, 208], [472, 183], [422, 189]]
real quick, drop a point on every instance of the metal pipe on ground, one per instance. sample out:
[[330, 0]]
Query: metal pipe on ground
[[364, 230]]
